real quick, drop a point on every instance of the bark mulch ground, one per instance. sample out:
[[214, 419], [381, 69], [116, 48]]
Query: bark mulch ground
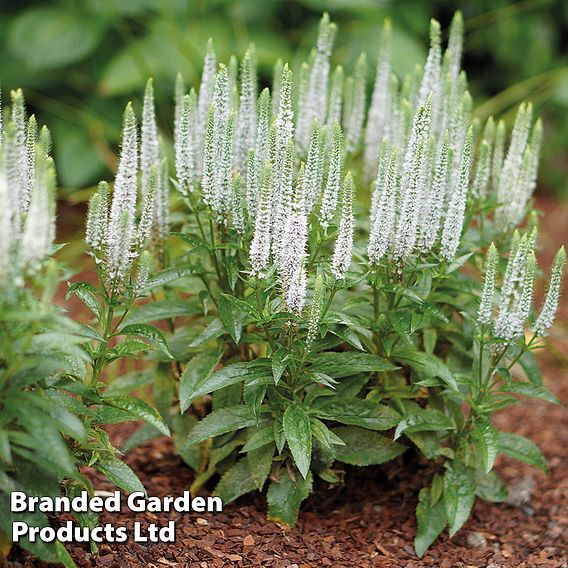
[[370, 520]]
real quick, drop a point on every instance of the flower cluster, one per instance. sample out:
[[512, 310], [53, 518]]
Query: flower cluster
[[27, 193], [116, 231]]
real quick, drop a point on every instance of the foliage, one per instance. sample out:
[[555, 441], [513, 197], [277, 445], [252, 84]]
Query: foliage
[[52, 398], [332, 292], [322, 337]]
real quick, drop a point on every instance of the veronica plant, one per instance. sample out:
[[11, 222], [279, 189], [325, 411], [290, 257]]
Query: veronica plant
[[317, 324], [53, 403]]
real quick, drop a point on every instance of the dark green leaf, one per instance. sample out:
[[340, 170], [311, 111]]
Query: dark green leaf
[[233, 316], [259, 463], [430, 520], [486, 441], [152, 334], [521, 449], [235, 482], [119, 473], [213, 330], [364, 447], [140, 410], [220, 422], [427, 364], [285, 497], [459, 494], [163, 309], [358, 412], [345, 364], [194, 379], [298, 433], [423, 420]]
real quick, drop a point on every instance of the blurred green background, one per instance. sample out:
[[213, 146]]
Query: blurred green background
[[80, 61]]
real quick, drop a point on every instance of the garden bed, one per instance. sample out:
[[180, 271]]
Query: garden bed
[[369, 521]]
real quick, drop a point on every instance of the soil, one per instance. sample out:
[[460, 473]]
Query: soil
[[369, 521]]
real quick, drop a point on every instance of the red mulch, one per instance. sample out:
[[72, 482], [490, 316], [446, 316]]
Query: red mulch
[[370, 520]]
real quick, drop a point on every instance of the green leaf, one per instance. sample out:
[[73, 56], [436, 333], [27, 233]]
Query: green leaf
[[358, 412], [490, 487], [423, 420], [52, 37], [427, 364], [235, 482], [126, 348], [46, 437], [148, 332], [285, 497], [119, 473], [259, 463], [364, 447], [233, 316], [213, 330], [324, 435], [459, 494], [298, 434], [530, 389], [220, 422], [261, 437], [279, 363], [486, 441], [140, 410], [165, 277], [253, 395], [349, 363], [87, 293], [521, 449], [163, 309], [195, 377], [529, 364], [224, 377], [430, 520]]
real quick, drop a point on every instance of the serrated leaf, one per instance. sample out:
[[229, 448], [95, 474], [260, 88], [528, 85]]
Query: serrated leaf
[[297, 430], [148, 332], [430, 520], [253, 396], [119, 473], [530, 389], [521, 449], [140, 410], [285, 497], [194, 379], [220, 422], [486, 441], [163, 309], [259, 438], [279, 363], [423, 420], [214, 329], [324, 435], [427, 364], [235, 482], [358, 412], [459, 495], [490, 487], [345, 364], [260, 463], [165, 277], [87, 293], [365, 447], [233, 316], [229, 375]]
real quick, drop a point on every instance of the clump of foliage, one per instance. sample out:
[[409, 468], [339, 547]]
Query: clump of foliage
[[52, 399], [334, 250]]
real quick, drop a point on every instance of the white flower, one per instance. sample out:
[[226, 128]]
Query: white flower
[[383, 216], [453, 225], [333, 183], [247, 118], [259, 253], [550, 306], [485, 311], [149, 146], [121, 229], [343, 249]]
